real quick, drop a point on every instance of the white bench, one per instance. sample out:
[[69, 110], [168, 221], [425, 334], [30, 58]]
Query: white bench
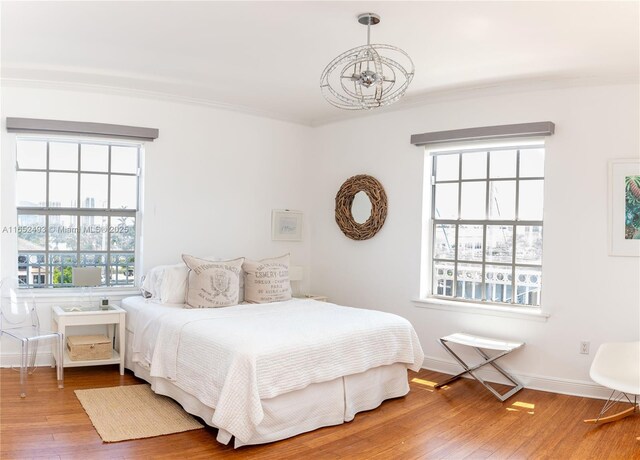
[[480, 344]]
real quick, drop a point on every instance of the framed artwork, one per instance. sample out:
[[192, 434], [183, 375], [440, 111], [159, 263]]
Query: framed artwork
[[286, 225], [624, 207]]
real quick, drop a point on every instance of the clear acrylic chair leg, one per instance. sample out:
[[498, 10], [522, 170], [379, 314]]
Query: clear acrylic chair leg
[[24, 363], [33, 349], [60, 360]]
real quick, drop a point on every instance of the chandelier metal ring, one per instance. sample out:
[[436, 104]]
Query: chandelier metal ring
[[367, 76]]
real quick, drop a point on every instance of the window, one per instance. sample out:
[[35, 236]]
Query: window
[[486, 217], [77, 206]]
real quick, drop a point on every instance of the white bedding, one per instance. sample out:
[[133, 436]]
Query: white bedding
[[232, 358]]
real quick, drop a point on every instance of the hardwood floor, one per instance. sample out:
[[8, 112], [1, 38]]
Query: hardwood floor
[[463, 421]]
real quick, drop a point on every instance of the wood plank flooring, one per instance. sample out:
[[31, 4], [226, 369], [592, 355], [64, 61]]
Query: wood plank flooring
[[463, 421]]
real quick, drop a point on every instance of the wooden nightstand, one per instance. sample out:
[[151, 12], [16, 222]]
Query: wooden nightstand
[[319, 298], [65, 316]]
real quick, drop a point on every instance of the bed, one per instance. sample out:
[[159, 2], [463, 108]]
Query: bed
[[261, 373]]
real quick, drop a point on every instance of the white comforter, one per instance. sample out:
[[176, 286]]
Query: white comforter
[[231, 358]]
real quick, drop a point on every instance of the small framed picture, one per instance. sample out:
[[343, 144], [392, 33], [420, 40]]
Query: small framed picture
[[286, 225], [624, 208]]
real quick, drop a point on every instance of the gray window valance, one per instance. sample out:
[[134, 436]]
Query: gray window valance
[[541, 128], [35, 125]]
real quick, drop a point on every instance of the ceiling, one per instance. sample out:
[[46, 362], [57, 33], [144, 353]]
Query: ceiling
[[266, 57]]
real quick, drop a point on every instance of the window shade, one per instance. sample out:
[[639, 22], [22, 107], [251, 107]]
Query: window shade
[[35, 125], [541, 128]]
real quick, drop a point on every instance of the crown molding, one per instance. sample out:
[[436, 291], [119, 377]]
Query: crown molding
[[486, 89], [424, 98], [146, 94]]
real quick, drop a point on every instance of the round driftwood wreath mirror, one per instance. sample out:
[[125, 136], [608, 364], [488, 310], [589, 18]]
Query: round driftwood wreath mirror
[[344, 207]]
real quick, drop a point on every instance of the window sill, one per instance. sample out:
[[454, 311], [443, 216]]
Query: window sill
[[434, 303], [96, 293]]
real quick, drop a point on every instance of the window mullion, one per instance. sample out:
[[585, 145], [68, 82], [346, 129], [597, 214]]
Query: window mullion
[[107, 268], [530, 223], [78, 204], [78, 264], [46, 198], [47, 265], [78, 218], [484, 262], [138, 191], [83, 212], [109, 179], [517, 216], [487, 203], [454, 288], [432, 183], [484, 149], [48, 268], [433, 188], [513, 266], [433, 260], [514, 293]]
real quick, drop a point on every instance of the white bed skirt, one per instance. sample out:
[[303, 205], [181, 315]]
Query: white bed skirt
[[287, 415]]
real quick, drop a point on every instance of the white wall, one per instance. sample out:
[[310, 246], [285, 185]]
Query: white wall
[[213, 177], [589, 295], [210, 180]]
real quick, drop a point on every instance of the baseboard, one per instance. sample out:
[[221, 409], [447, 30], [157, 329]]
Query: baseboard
[[533, 382], [13, 359]]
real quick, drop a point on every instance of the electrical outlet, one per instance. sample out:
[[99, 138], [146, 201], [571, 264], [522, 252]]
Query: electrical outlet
[[584, 348]]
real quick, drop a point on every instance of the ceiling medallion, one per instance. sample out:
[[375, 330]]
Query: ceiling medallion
[[368, 76]]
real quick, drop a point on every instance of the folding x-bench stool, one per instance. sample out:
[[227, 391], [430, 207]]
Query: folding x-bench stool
[[479, 344]]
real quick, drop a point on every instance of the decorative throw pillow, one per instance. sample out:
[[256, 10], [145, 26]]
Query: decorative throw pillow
[[212, 284], [267, 280]]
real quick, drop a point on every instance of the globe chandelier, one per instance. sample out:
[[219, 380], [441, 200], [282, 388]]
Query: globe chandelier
[[368, 76]]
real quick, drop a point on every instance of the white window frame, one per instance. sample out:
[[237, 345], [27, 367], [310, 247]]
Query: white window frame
[[79, 211], [427, 297]]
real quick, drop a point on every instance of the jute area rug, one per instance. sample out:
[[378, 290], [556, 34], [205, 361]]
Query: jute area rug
[[133, 412]]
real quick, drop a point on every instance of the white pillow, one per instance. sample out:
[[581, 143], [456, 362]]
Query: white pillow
[[168, 283], [212, 284], [267, 280], [152, 281], [173, 284]]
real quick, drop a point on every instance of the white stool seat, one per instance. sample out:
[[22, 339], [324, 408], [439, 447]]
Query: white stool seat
[[482, 342], [617, 366]]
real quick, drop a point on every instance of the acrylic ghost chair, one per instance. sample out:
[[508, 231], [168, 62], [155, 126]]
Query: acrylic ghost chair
[[19, 321], [617, 366]]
